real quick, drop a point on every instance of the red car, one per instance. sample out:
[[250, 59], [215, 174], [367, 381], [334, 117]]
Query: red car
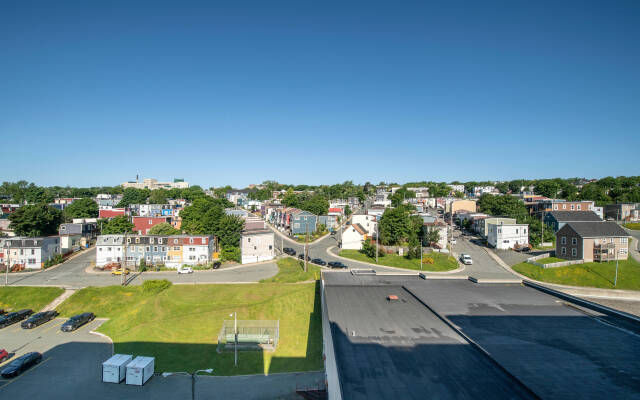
[[4, 356]]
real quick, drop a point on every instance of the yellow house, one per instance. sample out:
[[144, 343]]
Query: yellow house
[[460, 205], [174, 252]]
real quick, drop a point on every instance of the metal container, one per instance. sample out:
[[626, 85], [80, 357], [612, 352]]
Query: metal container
[[140, 370], [114, 369]]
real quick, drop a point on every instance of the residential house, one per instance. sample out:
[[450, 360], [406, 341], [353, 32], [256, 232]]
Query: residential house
[[142, 225], [31, 253], [238, 197], [368, 222], [110, 212], [508, 236], [538, 207], [303, 222], [353, 236], [421, 192], [627, 212], [257, 242], [76, 235], [376, 211], [456, 205], [108, 200], [478, 191], [592, 241], [336, 211], [338, 203], [329, 221], [482, 224], [443, 232], [238, 212], [557, 219], [456, 188]]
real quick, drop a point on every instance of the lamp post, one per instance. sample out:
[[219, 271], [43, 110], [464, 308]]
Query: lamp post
[[6, 262], [193, 378]]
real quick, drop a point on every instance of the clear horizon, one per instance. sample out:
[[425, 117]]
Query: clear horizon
[[94, 94]]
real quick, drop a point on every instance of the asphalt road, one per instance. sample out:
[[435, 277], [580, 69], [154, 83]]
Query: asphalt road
[[72, 274]]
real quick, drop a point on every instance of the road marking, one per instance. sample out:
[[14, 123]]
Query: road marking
[[24, 373], [53, 326]]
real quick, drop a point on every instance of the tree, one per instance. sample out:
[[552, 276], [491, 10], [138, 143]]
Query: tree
[[134, 196], [163, 229], [317, 205], [414, 246], [158, 196], [347, 210], [117, 225], [368, 249], [502, 205], [230, 230], [231, 253], [35, 220], [394, 225], [433, 235], [83, 208]]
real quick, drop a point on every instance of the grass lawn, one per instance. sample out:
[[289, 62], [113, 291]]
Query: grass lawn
[[593, 274], [291, 270], [634, 225], [442, 262], [550, 260], [312, 237], [18, 297], [180, 325]]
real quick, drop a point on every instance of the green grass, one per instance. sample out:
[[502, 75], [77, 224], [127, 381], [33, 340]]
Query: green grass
[[550, 260], [312, 237], [18, 297], [180, 325], [291, 270], [633, 225], [598, 275], [442, 262]]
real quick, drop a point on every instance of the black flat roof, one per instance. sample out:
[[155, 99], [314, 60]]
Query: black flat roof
[[403, 350]]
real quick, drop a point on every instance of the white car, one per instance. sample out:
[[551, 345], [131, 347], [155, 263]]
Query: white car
[[185, 270], [466, 259]]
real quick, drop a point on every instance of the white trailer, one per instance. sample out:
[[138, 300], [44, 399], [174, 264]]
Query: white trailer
[[140, 370], [114, 369]]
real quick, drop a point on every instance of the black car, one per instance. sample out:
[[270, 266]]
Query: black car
[[336, 264], [77, 321], [39, 319], [14, 317], [217, 264], [289, 251], [301, 256], [318, 261], [21, 364]]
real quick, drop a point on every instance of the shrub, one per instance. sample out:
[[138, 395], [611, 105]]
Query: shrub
[[57, 259], [230, 254], [143, 265], [155, 286], [368, 249]]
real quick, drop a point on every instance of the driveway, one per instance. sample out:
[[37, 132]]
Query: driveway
[[71, 274], [483, 266]]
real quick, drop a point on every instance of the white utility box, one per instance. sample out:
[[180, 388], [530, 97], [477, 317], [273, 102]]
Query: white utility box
[[140, 370], [114, 369]]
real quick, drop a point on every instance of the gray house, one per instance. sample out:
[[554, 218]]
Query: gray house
[[558, 219], [303, 222], [32, 253]]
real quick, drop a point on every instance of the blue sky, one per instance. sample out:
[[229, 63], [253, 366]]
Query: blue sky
[[318, 92]]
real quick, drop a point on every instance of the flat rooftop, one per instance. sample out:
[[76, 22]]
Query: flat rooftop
[[529, 343]]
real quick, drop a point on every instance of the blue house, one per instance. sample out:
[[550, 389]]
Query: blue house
[[303, 222], [329, 221]]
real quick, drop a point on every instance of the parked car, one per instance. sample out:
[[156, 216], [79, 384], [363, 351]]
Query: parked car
[[289, 251], [453, 241], [119, 271], [301, 256], [39, 319], [14, 317], [333, 232], [185, 270], [217, 264], [336, 264], [21, 364], [466, 259], [77, 321], [4, 355], [2, 311], [319, 261]]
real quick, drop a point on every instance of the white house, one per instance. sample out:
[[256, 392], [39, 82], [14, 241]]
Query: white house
[[506, 236], [368, 222], [443, 230], [375, 211], [32, 253], [109, 249], [257, 242], [353, 236]]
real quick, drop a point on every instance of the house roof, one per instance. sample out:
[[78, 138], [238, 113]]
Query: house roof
[[584, 216], [596, 229], [359, 229]]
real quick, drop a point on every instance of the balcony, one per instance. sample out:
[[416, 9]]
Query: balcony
[[604, 252]]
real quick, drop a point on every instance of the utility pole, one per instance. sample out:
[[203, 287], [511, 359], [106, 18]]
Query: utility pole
[[124, 259], [421, 255], [306, 246], [235, 331], [377, 239], [6, 262], [542, 229]]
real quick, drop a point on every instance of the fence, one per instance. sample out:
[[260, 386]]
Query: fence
[[252, 335], [533, 261]]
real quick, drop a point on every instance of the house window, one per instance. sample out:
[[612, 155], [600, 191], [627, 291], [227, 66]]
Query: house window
[[191, 258], [33, 251], [108, 248], [63, 228], [137, 240], [564, 206], [624, 240], [159, 240], [148, 258], [270, 247], [623, 251], [150, 222], [99, 248], [574, 241], [555, 206], [191, 240], [563, 240], [572, 207], [176, 248], [524, 231], [175, 241], [192, 249], [574, 252], [163, 248], [32, 261], [249, 240], [148, 248], [563, 251], [255, 247], [128, 240], [204, 240], [578, 206], [611, 240], [516, 231], [155, 248]]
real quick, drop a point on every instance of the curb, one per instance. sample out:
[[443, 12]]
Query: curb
[[494, 280], [453, 271]]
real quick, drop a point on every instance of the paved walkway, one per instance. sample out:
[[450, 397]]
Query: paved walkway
[[58, 300]]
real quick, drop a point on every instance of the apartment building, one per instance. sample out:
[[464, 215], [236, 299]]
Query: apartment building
[[508, 236], [30, 253], [592, 241]]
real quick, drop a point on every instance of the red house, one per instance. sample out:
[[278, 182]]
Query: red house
[[143, 224]]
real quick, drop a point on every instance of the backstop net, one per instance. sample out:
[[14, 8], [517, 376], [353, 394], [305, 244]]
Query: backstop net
[[252, 335]]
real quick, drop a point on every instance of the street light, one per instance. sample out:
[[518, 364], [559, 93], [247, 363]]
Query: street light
[[6, 262], [193, 378]]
